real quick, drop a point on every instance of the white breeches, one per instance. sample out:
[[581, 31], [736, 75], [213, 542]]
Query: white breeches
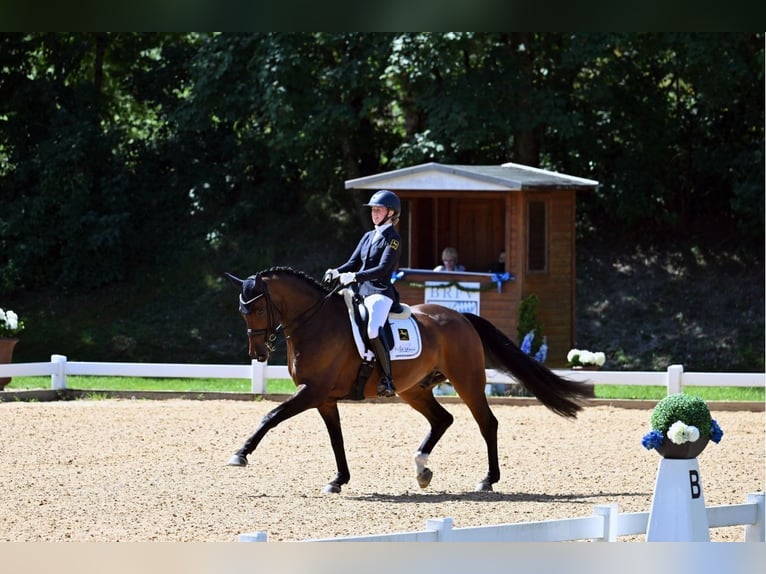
[[378, 307]]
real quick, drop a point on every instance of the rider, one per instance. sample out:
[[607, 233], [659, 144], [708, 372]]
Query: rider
[[371, 265]]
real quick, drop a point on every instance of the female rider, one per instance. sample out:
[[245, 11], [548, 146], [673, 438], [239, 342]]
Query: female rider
[[371, 265]]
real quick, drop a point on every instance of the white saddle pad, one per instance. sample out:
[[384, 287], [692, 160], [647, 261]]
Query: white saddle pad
[[407, 343]]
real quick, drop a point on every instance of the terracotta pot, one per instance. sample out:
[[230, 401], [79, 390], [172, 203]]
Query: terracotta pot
[[6, 356], [668, 449]]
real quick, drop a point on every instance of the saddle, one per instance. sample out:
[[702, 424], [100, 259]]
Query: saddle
[[400, 333]]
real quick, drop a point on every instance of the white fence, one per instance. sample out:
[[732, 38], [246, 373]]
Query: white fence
[[674, 379], [604, 525]]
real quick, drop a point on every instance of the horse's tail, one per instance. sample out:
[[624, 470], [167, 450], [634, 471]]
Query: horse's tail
[[557, 393]]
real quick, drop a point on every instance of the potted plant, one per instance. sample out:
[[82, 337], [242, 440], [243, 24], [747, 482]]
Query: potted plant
[[584, 359], [681, 427], [10, 326]]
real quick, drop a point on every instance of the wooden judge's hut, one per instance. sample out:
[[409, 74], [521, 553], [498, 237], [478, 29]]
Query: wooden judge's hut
[[481, 210]]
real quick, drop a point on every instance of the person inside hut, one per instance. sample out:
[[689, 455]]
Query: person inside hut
[[449, 261], [499, 265]]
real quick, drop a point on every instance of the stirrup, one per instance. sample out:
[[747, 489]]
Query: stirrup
[[385, 387]]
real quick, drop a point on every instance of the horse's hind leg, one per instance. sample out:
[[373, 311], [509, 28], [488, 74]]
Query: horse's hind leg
[[476, 401], [423, 401]]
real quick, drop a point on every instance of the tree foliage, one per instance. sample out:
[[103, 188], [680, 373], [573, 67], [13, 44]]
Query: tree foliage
[[122, 149]]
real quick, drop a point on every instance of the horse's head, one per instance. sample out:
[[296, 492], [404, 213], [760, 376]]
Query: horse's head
[[258, 310]]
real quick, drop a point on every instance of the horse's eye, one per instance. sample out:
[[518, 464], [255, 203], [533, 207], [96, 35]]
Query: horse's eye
[[260, 311]]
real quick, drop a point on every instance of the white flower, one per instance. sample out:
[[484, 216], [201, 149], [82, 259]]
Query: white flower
[[679, 433], [9, 323], [583, 357], [12, 320]]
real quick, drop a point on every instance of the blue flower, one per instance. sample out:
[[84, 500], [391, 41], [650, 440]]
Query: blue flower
[[652, 439], [526, 344], [716, 433], [542, 353]]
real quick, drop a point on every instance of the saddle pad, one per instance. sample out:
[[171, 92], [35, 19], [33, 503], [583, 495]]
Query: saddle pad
[[407, 342]]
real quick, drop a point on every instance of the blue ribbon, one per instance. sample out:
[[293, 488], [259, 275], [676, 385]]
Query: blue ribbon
[[396, 275], [501, 278]]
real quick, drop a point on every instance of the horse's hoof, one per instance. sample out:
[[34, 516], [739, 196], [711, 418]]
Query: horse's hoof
[[424, 478], [484, 486], [331, 489], [237, 460]]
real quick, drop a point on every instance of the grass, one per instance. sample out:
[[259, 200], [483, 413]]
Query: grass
[[273, 386], [655, 393], [286, 386]]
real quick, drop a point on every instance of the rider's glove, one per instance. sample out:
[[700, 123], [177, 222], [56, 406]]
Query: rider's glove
[[331, 274], [346, 278]]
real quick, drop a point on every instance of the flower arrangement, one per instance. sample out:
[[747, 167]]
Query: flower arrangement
[[10, 324], [584, 358], [681, 419]]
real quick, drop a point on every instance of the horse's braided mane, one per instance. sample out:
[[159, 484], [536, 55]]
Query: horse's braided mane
[[295, 273]]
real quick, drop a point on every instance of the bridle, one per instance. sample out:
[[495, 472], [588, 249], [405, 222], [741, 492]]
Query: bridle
[[272, 326], [270, 332]]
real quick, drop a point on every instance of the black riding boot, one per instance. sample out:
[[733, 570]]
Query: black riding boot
[[385, 385]]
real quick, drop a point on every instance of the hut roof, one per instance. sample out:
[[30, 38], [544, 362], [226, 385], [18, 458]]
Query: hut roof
[[438, 176]]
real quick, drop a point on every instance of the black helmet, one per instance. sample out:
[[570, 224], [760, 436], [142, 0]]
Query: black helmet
[[385, 198]]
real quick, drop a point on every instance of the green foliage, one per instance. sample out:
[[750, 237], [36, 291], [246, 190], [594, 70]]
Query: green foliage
[[528, 321], [690, 410], [119, 149]]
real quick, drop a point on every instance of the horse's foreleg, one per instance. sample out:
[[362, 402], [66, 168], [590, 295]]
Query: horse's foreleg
[[331, 418], [296, 404]]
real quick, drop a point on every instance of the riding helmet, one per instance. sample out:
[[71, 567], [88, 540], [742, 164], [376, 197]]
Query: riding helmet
[[386, 198]]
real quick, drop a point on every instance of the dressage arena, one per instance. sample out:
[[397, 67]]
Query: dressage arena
[[154, 470]]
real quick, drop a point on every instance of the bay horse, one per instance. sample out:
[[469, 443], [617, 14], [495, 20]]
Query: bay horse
[[323, 362]]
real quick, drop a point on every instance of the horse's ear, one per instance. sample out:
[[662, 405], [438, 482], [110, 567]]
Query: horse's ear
[[237, 281]]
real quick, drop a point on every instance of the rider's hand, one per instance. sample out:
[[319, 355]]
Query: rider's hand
[[346, 278], [330, 275]]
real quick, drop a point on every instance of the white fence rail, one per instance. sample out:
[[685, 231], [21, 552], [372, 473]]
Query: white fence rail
[[674, 379], [604, 525]]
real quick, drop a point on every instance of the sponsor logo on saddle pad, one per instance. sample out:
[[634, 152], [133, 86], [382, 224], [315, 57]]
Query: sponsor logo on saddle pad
[[406, 339]]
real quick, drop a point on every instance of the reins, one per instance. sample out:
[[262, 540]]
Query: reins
[[314, 309]]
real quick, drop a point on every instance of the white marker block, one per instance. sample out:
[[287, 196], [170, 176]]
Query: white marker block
[[678, 511]]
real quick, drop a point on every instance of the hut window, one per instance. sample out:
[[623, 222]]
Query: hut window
[[537, 244]]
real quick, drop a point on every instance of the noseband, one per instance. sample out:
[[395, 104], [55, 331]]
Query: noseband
[[270, 332]]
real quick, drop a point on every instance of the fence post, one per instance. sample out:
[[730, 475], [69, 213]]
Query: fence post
[[442, 526], [258, 382], [756, 532], [58, 376], [254, 537], [610, 514], [675, 374]]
